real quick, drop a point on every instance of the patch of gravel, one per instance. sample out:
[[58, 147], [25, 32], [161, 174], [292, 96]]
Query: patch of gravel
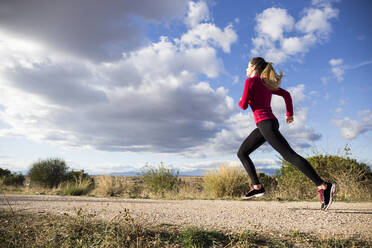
[[342, 219]]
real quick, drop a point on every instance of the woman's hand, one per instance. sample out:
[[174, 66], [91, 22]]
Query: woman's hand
[[289, 119]]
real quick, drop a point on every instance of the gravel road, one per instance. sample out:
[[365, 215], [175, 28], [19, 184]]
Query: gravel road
[[342, 219]]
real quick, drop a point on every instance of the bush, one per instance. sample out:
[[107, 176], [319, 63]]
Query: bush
[[48, 173], [76, 176], [226, 181], [353, 179], [269, 182], [293, 184], [161, 179], [9, 179], [14, 180], [77, 183], [78, 188], [111, 185], [4, 173]]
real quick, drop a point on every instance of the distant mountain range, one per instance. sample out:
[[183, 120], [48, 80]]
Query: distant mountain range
[[269, 172]]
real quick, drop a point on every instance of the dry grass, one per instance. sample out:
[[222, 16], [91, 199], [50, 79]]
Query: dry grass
[[19, 229], [226, 181], [111, 185], [81, 186]]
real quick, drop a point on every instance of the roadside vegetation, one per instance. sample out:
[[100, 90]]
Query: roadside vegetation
[[84, 230], [53, 176]]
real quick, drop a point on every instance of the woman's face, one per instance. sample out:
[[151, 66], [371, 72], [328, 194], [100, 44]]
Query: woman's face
[[250, 70]]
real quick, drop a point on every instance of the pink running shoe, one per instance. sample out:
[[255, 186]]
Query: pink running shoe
[[326, 195]]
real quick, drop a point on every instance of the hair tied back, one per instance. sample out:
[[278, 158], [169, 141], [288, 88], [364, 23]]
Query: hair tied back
[[270, 78]]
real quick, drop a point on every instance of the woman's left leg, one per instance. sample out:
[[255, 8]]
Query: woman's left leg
[[270, 131]]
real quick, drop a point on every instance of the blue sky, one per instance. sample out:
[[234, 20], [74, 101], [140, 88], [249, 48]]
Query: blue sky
[[111, 87]]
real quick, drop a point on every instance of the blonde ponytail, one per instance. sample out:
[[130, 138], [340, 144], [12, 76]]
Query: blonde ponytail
[[270, 78]]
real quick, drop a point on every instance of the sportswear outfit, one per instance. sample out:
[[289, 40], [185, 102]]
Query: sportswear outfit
[[258, 96]]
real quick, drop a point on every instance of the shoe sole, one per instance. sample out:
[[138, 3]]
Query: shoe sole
[[253, 196], [333, 189]]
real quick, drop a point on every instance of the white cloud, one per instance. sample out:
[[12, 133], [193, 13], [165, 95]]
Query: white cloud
[[273, 22], [336, 62], [298, 133], [150, 99], [267, 163], [367, 62], [338, 72], [198, 12], [351, 129], [205, 34], [166, 57], [337, 68], [323, 2], [212, 165], [317, 20], [292, 45], [275, 29]]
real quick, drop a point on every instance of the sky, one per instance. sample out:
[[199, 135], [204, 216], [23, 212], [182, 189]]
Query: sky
[[110, 87]]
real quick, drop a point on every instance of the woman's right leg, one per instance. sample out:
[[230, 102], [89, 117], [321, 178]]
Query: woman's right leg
[[270, 130], [251, 143]]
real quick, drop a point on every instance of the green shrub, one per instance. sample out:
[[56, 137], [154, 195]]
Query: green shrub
[[14, 180], [48, 173], [161, 179], [353, 179], [4, 172], [11, 179], [269, 182], [74, 176], [293, 184], [226, 181]]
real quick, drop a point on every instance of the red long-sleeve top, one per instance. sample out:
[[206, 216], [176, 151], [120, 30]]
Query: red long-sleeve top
[[258, 96]]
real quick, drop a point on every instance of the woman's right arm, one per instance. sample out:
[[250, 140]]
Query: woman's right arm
[[244, 101]]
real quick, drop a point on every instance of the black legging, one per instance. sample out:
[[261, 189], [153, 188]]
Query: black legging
[[268, 130]]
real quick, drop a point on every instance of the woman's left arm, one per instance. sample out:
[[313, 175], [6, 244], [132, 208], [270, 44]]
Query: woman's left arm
[[287, 98]]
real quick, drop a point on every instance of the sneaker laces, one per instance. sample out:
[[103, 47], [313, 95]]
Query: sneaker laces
[[321, 195]]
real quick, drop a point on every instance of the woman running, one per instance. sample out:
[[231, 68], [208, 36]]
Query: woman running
[[262, 82]]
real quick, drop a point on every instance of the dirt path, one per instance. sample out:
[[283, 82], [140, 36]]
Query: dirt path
[[342, 219]]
